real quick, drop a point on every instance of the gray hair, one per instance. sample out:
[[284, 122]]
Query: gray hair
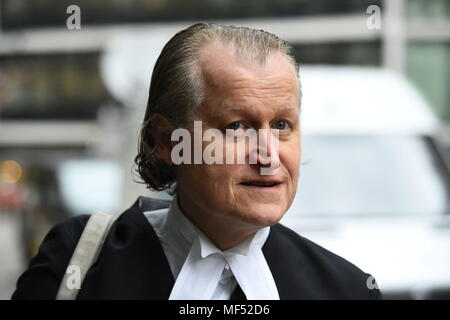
[[177, 86]]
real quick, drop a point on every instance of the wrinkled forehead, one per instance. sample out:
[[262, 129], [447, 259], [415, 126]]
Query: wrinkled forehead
[[222, 68]]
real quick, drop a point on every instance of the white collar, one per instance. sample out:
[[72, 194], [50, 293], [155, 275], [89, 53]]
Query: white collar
[[205, 263], [179, 224]]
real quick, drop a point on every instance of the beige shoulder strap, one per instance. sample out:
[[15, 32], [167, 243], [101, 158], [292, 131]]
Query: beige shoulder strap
[[85, 254]]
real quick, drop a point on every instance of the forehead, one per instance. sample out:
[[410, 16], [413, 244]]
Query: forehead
[[227, 74]]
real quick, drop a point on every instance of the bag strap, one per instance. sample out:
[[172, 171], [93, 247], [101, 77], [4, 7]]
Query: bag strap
[[85, 254]]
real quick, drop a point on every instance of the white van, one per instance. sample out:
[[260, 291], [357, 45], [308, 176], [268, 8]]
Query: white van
[[373, 187]]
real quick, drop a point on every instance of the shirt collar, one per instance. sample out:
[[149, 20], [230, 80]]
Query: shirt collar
[[178, 223]]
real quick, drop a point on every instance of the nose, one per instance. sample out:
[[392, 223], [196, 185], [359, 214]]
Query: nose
[[267, 153]]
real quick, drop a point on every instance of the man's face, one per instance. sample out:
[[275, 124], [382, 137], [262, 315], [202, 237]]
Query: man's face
[[241, 95]]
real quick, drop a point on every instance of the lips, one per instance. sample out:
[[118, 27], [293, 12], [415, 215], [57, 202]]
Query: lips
[[261, 183]]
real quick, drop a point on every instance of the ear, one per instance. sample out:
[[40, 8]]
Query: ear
[[161, 131]]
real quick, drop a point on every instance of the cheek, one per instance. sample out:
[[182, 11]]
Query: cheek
[[290, 156], [223, 173], [207, 178], [226, 177]]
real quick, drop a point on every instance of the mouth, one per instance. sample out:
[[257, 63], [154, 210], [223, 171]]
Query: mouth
[[262, 185]]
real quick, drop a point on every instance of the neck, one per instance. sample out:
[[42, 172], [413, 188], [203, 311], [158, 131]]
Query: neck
[[224, 231]]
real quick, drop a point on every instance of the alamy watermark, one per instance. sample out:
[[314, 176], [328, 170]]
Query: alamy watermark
[[240, 146], [73, 281], [73, 22], [373, 22], [371, 283]]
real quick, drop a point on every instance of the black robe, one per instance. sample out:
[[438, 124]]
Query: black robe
[[132, 264]]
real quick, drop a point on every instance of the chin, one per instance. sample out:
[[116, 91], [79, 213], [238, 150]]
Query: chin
[[267, 215]]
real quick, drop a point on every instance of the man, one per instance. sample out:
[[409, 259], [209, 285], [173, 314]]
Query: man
[[219, 237]]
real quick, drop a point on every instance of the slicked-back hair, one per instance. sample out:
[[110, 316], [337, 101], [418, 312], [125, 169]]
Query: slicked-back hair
[[177, 87]]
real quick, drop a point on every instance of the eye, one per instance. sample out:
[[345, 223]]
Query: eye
[[281, 125], [234, 126]]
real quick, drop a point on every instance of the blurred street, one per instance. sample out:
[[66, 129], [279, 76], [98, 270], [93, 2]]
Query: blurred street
[[11, 265]]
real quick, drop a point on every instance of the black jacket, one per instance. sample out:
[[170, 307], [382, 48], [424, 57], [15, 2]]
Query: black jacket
[[132, 264]]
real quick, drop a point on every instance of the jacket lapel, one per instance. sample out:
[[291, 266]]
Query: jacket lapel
[[159, 273]]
